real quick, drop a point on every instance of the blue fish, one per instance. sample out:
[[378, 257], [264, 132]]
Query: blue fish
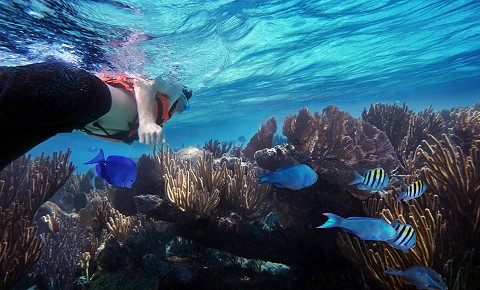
[[420, 276], [367, 229], [375, 179], [116, 170], [405, 237], [295, 177], [412, 191]]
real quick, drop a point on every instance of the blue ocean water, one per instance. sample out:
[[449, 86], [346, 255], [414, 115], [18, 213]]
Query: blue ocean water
[[249, 60]]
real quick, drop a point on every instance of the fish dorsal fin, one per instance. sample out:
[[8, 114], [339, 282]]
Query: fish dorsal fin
[[100, 158], [354, 218]]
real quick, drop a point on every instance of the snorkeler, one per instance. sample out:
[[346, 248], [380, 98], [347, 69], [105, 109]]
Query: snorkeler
[[38, 101]]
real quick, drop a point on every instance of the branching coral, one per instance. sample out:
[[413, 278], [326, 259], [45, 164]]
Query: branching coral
[[419, 126], [465, 127], [217, 148], [20, 247], [464, 276], [301, 129], [248, 197], [24, 186], [58, 263], [373, 257], [262, 139], [121, 226], [195, 190], [198, 188], [452, 201], [454, 176]]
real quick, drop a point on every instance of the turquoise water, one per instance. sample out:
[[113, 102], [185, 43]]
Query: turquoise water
[[249, 60]]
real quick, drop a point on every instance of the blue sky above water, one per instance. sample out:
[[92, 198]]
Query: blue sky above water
[[249, 60]]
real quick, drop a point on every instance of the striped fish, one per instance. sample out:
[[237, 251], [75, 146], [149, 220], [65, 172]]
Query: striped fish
[[405, 238], [412, 191], [374, 179]]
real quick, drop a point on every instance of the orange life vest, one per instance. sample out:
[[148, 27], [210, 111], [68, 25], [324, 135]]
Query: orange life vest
[[161, 110]]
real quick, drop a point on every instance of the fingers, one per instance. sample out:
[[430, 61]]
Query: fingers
[[152, 138], [158, 138], [141, 138]]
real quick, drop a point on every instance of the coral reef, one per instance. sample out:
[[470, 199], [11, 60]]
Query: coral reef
[[217, 148], [276, 157], [148, 182], [63, 248], [236, 221], [24, 187], [244, 195], [373, 257], [262, 139], [454, 176], [198, 219], [464, 127], [333, 143], [301, 129], [404, 128], [193, 188], [345, 144], [446, 217], [391, 119]]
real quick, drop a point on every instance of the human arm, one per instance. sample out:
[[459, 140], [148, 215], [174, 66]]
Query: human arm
[[145, 90]]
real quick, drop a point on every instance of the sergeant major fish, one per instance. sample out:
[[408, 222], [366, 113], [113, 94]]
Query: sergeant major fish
[[295, 177], [117, 170], [405, 237], [420, 276], [412, 191], [363, 227], [375, 179]]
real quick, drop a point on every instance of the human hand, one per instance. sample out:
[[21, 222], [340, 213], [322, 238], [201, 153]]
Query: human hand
[[150, 134]]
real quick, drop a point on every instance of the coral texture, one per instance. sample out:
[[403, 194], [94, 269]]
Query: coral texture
[[24, 187], [262, 139]]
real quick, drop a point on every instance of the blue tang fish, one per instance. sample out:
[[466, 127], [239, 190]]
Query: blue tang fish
[[116, 170], [420, 276], [412, 191], [295, 177], [375, 179], [367, 229], [405, 238]]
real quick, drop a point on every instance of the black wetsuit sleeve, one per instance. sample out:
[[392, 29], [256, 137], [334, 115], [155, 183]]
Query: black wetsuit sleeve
[[37, 101]]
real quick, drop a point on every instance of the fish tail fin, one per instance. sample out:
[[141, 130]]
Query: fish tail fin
[[265, 177], [358, 178], [391, 271], [333, 221], [98, 159], [401, 195]]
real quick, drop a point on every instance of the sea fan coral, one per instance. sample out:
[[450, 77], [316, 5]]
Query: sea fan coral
[[345, 144], [301, 129], [262, 139], [404, 128]]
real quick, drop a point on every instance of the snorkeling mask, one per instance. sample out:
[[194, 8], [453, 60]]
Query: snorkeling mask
[[186, 95]]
